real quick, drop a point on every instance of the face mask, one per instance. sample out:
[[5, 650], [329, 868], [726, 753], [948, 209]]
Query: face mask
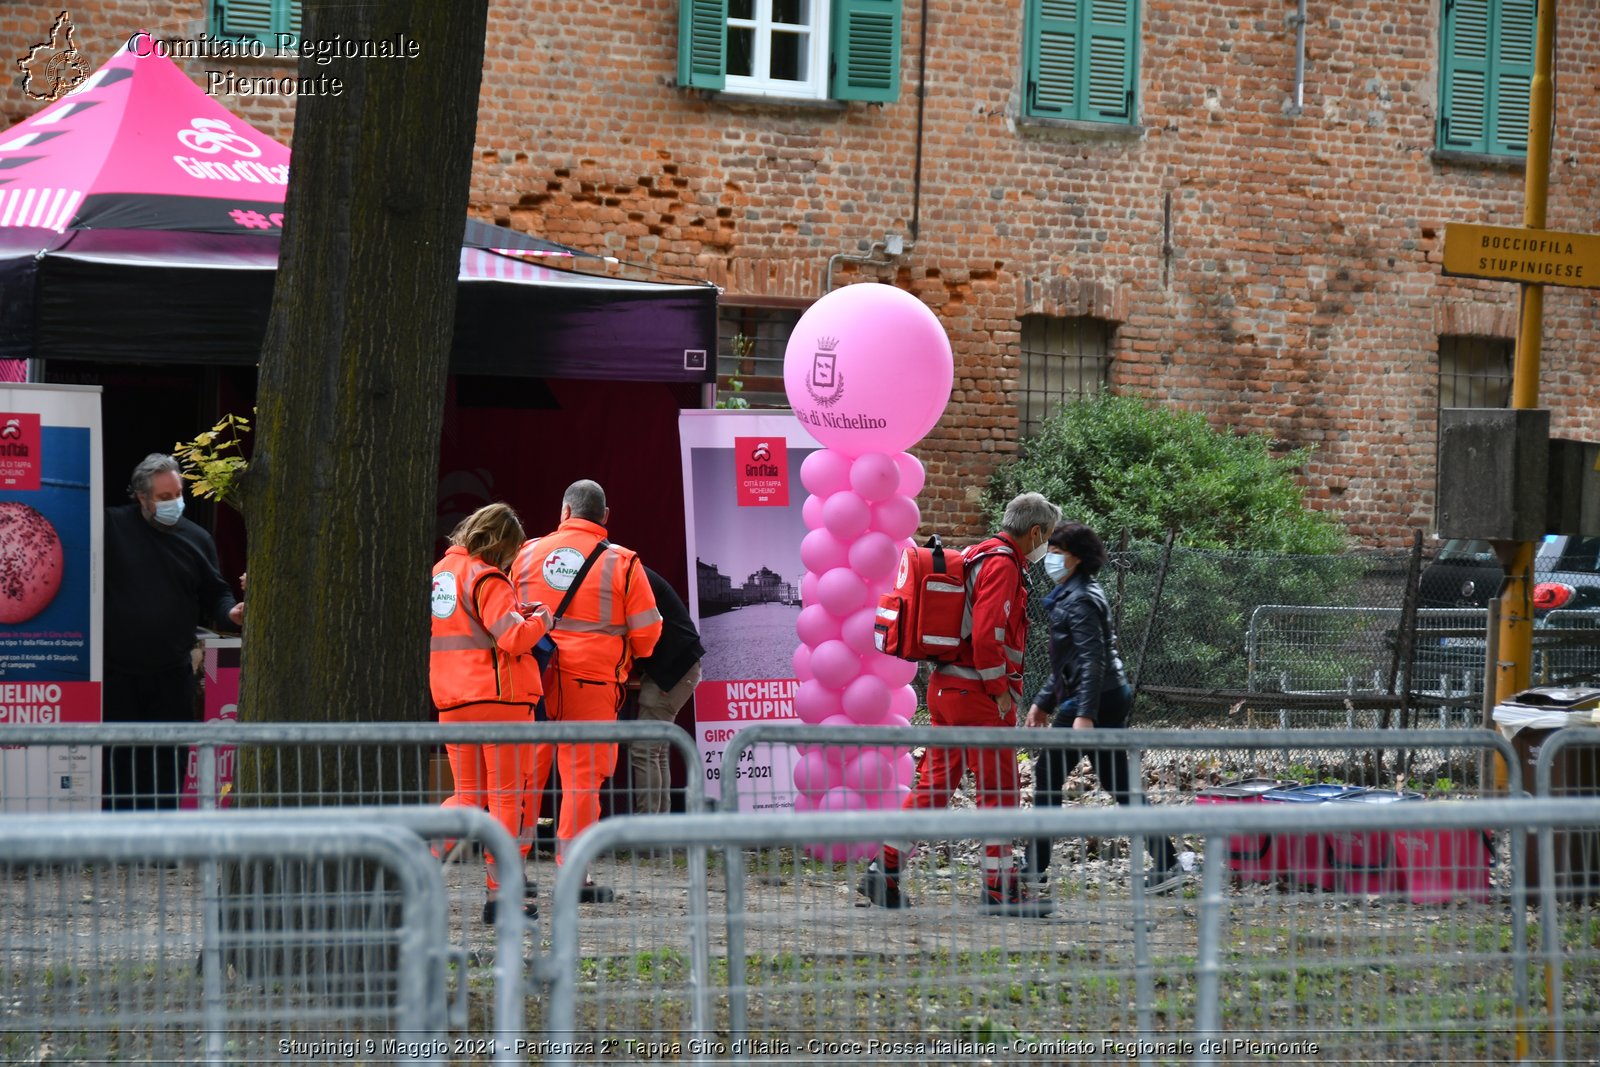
[[1055, 565], [1038, 552], [168, 512]]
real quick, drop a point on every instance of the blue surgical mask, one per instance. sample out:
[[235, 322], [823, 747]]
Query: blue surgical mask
[[168, 512], [1055, 565]]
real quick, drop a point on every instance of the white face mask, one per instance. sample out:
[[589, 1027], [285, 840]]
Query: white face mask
[[1055, 565], [168, 512], [1039, 550]]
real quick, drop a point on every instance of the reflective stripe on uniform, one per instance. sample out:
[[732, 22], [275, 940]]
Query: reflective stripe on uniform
[[457, 643], [988, 674], [643, 619], [569, 625], [1012, 654], [504, 623]]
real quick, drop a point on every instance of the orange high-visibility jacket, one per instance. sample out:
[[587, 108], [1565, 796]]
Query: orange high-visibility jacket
[[612, 618], [478, 636]]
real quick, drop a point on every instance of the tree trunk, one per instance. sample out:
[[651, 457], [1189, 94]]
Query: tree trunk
[[341, 487]]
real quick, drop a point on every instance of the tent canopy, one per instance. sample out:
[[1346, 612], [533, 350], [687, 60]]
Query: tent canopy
[[139, 222]]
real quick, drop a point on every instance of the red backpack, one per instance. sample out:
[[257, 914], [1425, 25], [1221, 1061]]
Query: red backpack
[[925, 615]]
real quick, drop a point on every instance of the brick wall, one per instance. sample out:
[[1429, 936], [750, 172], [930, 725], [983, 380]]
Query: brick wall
[[1301, 296]]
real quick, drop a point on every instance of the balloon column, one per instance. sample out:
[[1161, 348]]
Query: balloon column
[[868, 372]]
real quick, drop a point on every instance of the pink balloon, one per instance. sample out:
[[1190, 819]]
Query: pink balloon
[[840, 719], [874, 476], [820, 551], [811, 512], [815, 703], [803, 803], [857, 630], [814, 625], [866, 700], [801, 662], [896, 517], [840, 798], [808, 588], [905, 770], [890, 799], [913, 476], [835, 754], [896, 673], [825, 471], [894, 720], [841, 591], [903, 703], [868, 772], [875, 558], [846, 514], [814, 775], [834, 665], [868, 369]]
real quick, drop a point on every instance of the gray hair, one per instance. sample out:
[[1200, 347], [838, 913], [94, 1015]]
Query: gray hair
[[150, 466], [1027, 511], [586, 499]]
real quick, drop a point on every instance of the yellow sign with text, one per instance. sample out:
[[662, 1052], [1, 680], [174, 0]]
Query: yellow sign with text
[[1513, 253]]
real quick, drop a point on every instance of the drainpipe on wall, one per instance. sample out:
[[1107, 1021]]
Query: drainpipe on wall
[[1299, 21], [892, 246]]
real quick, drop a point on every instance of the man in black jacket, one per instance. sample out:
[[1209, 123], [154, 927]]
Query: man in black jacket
[[670, 674], [162, 581]]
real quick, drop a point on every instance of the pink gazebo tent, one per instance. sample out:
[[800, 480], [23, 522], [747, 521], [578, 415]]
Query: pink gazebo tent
[[139, 221]]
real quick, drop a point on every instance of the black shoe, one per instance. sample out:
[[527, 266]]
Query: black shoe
[[881, 888], [530, 890], [529, 908], [595, 894], [1160, 880], [1006, 895]]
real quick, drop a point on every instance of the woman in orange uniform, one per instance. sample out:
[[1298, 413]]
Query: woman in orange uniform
[[480, 668]]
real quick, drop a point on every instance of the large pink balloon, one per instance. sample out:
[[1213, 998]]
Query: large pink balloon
[[814, 625], [801, 662], [896, 673], [874, 557], [840, 798], [903, 703], [891, 799], [905, 769], [834, 665], [868, 772], [874, 476], [808, 589], [811, 511], [868, 369], [820, 551], [825, 471], [846, 513], [814, 775], [841, 591], [912, 473], [857, 630], [896, 517], [815, 703], [866, 700]]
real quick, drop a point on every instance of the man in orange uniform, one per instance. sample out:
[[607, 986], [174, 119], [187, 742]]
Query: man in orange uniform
[[610, 621], [480, 667], [981, 688]]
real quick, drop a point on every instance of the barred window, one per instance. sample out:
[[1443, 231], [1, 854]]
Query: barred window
[[750, 346], [1063, 360], [1475, 372]]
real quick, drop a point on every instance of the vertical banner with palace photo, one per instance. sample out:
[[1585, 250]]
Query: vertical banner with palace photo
[[50, 572], [741, 482]]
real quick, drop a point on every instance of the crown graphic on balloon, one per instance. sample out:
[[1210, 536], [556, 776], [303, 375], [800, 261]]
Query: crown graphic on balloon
[[827, 344]]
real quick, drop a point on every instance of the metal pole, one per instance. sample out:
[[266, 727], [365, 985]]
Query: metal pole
[[1512, 671]]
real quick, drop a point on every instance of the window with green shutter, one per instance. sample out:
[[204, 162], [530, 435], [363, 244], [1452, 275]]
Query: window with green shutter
[[795, 49], [260, 20], [1081, 60], [1487, 69]]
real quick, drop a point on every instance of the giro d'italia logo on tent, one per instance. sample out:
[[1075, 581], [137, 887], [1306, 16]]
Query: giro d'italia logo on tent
[[53, 68]]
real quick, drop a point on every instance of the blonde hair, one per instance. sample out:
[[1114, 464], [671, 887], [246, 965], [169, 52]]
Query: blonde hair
[[490, 527]]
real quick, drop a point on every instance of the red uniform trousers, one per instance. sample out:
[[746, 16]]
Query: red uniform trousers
[[960, 702]]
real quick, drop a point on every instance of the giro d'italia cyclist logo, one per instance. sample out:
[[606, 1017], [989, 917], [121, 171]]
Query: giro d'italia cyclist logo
[[825, 383], [53, 67]]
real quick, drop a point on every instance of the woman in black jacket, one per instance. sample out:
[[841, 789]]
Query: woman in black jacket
[[1085, 689]]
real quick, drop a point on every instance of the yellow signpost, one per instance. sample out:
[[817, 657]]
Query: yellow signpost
[[1518, 254]]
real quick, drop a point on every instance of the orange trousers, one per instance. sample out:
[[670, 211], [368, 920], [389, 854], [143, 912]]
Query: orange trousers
[[583, 767], [491, 776]]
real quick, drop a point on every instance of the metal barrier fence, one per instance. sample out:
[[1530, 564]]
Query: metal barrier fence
[[1425, 970], [321, 941]]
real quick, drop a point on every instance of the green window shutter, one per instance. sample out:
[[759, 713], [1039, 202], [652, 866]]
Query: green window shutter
[[1113, 45], [1051, 58], [702, 39], [1513, 76], [865, 42], [1464, 109], [260, 20]]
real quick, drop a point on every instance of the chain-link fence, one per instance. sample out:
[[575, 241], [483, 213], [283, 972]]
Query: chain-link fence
[[1222, 638]]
